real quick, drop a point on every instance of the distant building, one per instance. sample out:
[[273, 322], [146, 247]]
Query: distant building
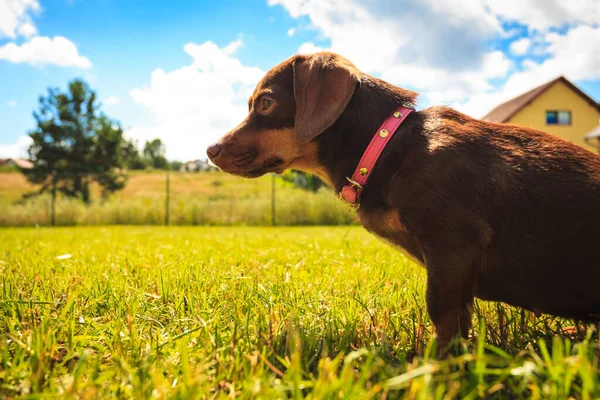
[[557, 107], [196, 166], [16, 162], [594, 138]]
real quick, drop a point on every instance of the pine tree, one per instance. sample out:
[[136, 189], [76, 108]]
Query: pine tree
[[75, 144]]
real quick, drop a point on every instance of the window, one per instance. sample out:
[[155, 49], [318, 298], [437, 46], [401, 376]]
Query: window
[[558, 117]]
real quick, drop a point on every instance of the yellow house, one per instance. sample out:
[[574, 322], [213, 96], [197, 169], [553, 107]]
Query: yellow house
[[557, 107]]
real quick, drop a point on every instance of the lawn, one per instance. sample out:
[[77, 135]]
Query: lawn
[[220, 312]]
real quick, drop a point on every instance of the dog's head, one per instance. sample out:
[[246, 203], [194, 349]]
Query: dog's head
[[293, 104]]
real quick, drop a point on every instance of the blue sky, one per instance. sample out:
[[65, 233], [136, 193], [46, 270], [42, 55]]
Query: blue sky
[[181, 70]]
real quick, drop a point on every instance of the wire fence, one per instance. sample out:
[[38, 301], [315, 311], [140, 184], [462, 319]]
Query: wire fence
[[180, 198]]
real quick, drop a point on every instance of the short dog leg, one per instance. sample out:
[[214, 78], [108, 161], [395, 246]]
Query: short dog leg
[[450, 297]]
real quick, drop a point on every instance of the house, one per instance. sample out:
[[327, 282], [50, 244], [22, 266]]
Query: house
[[557, 107], [593, 138], [16, 162], [196, 166]]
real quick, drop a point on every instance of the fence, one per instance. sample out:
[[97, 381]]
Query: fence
[[179, 198]]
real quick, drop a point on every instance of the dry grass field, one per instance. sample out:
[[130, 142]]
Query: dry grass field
[[211, 198]]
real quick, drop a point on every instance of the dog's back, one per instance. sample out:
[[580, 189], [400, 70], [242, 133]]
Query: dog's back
[[539, 196]]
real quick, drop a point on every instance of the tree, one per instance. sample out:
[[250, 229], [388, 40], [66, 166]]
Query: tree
[[75, 144], [132, 157], [303, 180], [176, 165], [154, 153]]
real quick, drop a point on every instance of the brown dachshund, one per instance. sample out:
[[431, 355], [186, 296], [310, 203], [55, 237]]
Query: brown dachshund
[[495, 211]]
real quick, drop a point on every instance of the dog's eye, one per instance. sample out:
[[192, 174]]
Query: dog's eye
[[265, 103]]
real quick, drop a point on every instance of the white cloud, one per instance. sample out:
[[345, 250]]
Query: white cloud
[[377, 34], [111, 101], [444, 58], [11, 103], [15, 17], [44, 50], [196, 104], [521, 46], [442, 47], [574, 55], [545, 14], [536, 14], [496, 65], [27, 29], [309, 48], [473, 11], [17, 149], [16, 20], [442, 86], [291, 32], [215, 62]]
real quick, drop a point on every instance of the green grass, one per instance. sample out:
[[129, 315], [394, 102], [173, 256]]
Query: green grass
[[214, 312], [196, 199]]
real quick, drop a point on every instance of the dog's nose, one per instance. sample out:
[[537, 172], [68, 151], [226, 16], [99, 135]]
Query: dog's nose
[[213, 150]]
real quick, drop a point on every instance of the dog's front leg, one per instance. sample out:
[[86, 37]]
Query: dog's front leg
[[450, 281]]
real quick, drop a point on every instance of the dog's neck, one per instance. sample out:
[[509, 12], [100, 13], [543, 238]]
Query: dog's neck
[[343, 144]]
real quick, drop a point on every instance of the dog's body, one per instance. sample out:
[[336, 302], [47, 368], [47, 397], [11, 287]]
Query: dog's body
[[494, 211]]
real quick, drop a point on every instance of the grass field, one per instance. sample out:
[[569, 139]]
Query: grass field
[[151, 185], [216, 312], [211, 198]]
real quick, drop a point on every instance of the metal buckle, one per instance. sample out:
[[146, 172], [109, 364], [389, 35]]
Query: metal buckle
[[354, 206], [355, 184]]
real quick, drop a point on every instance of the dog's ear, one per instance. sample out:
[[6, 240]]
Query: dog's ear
[[323, 85]]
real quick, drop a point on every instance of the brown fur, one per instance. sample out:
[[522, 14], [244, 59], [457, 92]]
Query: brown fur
[[495, 211]]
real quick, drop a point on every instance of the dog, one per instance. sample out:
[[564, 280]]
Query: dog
[[495, 211]]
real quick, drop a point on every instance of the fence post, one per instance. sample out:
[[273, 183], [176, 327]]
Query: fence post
[[53, 201], [273, 222], [168, 190]]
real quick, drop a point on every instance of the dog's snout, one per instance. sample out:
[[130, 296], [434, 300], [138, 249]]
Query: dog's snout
[[213, 150]]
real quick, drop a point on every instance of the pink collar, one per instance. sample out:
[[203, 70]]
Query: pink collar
[[352, 191]]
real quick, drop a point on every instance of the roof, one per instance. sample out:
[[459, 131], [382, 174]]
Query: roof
[[195, 162], [505, 111], [22, 163], [595, 134], [19, 162]]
